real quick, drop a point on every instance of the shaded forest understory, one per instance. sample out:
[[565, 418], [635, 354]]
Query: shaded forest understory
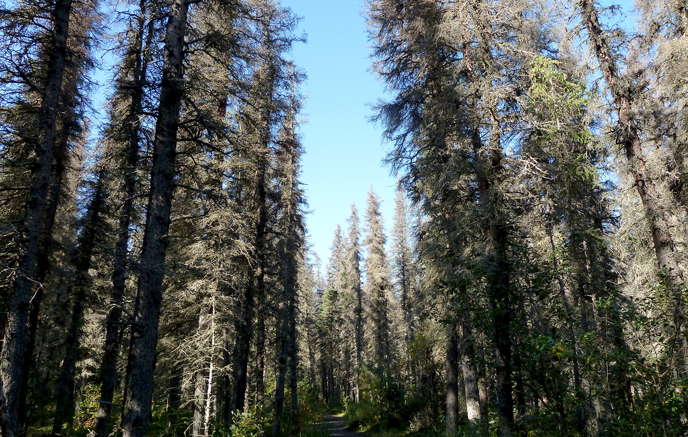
[[155, 274]]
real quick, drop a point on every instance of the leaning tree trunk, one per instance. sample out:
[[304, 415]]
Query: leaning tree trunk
[[660, 230], [144, 338], [67, 123], [46, 242], [12, 366]]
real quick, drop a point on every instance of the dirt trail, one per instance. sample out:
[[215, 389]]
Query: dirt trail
[[336, 426]]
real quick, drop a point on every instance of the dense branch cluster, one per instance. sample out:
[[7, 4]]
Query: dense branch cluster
[[543, 148], [155, 277], [156, 261]]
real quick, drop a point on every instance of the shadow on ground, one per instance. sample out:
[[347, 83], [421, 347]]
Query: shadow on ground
[[336, 426]]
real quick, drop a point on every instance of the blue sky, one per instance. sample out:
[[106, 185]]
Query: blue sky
[[343, 150]]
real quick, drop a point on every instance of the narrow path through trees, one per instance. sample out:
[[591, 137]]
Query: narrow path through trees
[[335, 424]]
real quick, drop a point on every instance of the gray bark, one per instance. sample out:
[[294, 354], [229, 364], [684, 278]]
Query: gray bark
[[470, 374], [66, 120], [12, 366], [452, 389], [139, 386], [199, 397], [64, 410], [243, 325], [132, 125], [645, 184], [174, 399]]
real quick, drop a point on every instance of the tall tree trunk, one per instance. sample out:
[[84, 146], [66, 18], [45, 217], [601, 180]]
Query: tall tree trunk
[[201, 375], [144, 337], [200, 383], [226, 390], [132, 123], [452, 390], [470, 374], [12, 360], [331, 396], [660, 230], [312, 364], [498, 275], [211, 374], [323, 379], [254, 292], [294, 378], [242, 345], [64, 410], [260, 278], [260, 357], [406, 311], [286, 339], [65, 123], [174, 398], [500, 299], [263, 163], [359, 340], [483, 390]]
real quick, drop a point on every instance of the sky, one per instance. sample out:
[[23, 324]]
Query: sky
[[344, 150]]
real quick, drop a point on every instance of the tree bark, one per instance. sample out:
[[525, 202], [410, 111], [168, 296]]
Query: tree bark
[[12, 366], [498, 273], [260, 272], [260, 358], [470, 374], [174, 398], [294, 378], [198, 402], [354, 266], [287, 335], [452, 389], [64, 410], [359, 340], [243, 325], [629, 138], [65, 123], [211, 374], [312, 364], [132, 125], [144, 337]]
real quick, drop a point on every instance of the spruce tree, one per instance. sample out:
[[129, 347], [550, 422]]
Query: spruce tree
[[353, 262], [377, 288], [139, 383], [13, 368]]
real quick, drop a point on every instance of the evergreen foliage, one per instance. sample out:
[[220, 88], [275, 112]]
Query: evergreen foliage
[[155, 274]]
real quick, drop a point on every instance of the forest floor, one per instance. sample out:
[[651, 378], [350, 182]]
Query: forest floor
[[335, 425]]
